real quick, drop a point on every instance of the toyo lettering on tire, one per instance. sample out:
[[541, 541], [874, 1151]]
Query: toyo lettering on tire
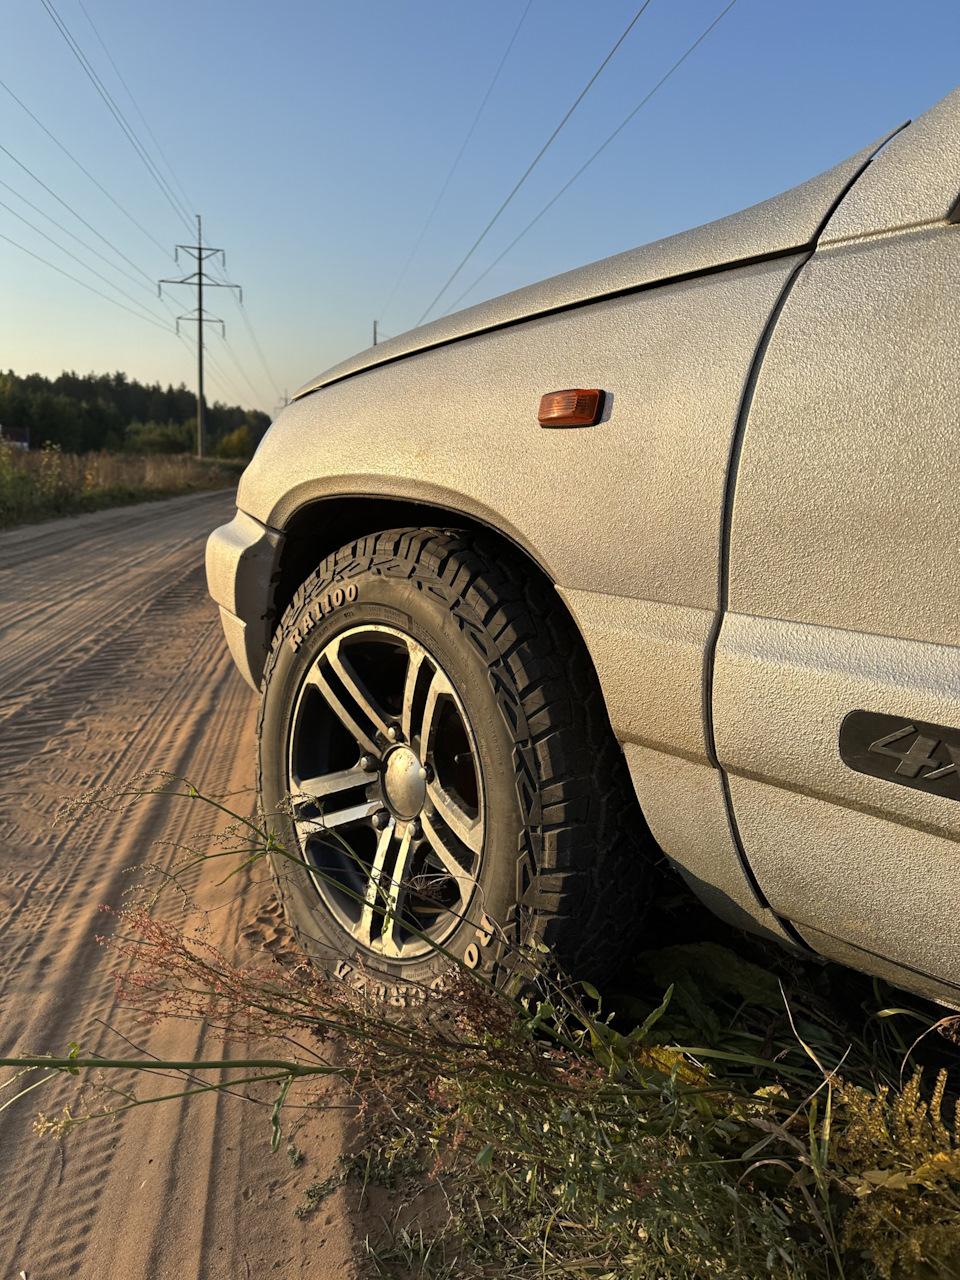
[[435, 754]]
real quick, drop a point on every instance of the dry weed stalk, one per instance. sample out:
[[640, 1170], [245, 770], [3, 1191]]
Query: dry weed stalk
[[672, 1151]]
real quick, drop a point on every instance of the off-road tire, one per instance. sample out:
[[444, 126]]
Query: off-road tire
[[566, 858]]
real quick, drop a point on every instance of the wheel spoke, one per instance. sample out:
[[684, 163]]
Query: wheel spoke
[[329, 783], [396, 895], [339, 818], [343, 713], [354, 686], [440, 845], [364, 931], [466, 827], [439, 686], [415, 659]]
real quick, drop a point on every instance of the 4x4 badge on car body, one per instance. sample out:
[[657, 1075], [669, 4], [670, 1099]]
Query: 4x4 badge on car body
[[912, 752]]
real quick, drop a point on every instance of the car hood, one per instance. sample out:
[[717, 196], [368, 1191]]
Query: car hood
[[782, 224]]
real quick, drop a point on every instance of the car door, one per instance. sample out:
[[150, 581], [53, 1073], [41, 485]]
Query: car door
[[836, 698]]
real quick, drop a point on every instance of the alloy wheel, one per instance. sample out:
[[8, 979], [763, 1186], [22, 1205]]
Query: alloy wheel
[[387, 792]]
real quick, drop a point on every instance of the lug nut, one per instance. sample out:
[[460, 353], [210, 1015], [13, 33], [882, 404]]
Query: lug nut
[[369, 764], [380, 819], [393, 733], [426, 773], [416, 828]]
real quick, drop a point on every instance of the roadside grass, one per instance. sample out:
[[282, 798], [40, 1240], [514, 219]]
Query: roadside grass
[[45, 483], [726, 1109]]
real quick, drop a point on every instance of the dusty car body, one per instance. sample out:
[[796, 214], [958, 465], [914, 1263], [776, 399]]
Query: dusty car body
[[756, 543]]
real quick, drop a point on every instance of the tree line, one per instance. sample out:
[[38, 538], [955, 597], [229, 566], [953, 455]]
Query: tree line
[[83, 414]]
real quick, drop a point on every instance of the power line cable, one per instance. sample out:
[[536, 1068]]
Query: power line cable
[[97, 184], [136, 107], [227, 386], [258, 394], [259, 350], [67, 232], [86, 266], [76, 280], [536, 160], [115, 110], [89, 227], [129, 132], [585, 166], [75, 161], [221, 375], [70, 209], [453, 167], [117, 114]]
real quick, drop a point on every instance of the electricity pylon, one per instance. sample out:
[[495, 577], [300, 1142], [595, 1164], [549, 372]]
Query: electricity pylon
[[201, 254]]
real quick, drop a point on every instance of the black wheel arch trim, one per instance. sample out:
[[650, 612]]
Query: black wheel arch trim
[[319, 526]]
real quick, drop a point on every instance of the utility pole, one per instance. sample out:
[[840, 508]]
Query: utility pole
[[374, 333], [199, 277]]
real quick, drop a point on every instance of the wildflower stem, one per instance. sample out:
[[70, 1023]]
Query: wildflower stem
[[156, 1064]]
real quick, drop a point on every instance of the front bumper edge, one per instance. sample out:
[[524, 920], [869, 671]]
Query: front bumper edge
[[243, 559]]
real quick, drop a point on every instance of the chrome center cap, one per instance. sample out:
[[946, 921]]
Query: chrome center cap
[[404, 783]]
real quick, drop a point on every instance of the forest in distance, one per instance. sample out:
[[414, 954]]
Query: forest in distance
[[109, 411]]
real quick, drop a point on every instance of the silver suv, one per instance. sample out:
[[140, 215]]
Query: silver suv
[[663, 545]]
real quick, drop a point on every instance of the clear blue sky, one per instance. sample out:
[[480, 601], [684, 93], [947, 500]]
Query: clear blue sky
[[314, 138]]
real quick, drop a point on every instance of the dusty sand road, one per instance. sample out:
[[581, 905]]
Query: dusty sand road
[[112, 662]]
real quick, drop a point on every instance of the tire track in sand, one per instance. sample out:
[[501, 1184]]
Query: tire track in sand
[[63, 600], [180, 1190]]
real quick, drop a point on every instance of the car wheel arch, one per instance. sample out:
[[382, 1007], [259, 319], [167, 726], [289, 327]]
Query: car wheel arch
[[318, 528]]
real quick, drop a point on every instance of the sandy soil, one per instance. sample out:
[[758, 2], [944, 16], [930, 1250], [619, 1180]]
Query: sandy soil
[[112, 662]]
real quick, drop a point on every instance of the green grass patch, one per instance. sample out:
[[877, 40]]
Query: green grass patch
[[45, 484]]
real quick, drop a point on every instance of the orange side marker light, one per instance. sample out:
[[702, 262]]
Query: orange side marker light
[[572, 408]]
